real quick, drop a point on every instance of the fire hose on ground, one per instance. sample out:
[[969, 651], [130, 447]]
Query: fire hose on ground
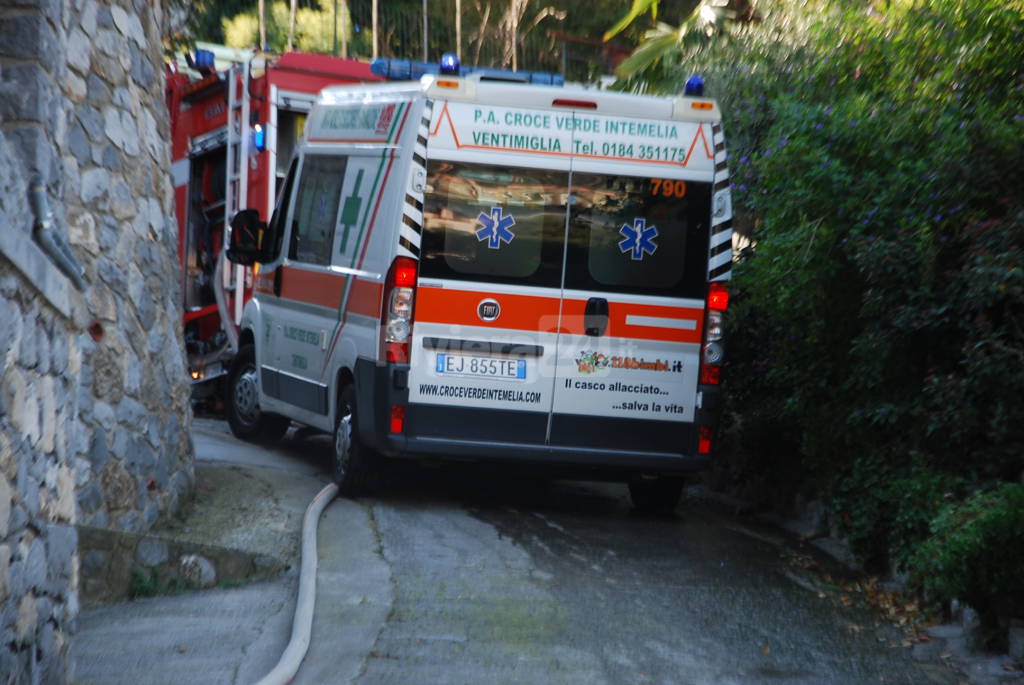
[[302, 623]]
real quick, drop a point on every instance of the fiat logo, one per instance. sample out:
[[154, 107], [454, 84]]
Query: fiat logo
[[488, 310]]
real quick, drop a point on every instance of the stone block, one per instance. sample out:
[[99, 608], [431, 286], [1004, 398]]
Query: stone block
[[64, 509], [6, 499], [129, 26], [79, 51], [78, 143], [198, 569], [104, 17], [95, 184], [75, 87], [92, 123], [114, 276], [87, 17], [131, 414], [90, 498], [61, 545], [122, 204], [151, 552], [150, 515], [103, 414], [35, 569], [119, 488], [28, 93], [111, 158], [35, 150], [5, 569], [28, 37], [142, 69], [25, 627], [128, 522], [10, 341], [48, 414], [28, 348]]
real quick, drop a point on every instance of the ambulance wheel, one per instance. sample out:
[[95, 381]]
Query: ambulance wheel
[[351, 462], [656, 496], [242, 402]]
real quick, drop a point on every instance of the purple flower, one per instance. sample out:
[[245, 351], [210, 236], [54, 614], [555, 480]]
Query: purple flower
[[1017, 117], [768, 152], [819, 126], [744, 160], [743, 187], [783, 142]]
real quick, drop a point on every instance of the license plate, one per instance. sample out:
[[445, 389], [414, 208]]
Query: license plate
[[481, 367]]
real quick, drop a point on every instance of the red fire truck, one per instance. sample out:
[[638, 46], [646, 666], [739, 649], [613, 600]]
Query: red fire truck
[[235, 119]]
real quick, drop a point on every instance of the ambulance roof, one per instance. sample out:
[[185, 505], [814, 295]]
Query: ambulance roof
[[473, 89]]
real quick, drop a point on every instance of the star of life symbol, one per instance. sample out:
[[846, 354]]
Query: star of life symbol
[[495, 228], [639, 239]]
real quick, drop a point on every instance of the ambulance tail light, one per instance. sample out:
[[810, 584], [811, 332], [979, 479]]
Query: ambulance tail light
[[397, 423], [712, 351], [397, 310], [705, 436]]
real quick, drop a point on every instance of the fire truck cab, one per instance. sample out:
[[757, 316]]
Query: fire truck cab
[[468, 269]]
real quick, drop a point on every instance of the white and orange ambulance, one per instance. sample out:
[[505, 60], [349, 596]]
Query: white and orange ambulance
[[465, 269]]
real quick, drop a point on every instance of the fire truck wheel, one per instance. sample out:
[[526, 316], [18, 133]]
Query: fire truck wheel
[[351, 467], [656, 496], [242, 402]]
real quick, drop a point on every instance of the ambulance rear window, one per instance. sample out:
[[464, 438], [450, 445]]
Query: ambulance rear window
[[638, 235], [498, 224]]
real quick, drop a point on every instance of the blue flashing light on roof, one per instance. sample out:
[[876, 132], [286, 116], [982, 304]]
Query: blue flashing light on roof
[[395, 69], [449, 64], [694, 86]]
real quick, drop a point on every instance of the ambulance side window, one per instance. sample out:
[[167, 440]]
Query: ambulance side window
[[316, 208]]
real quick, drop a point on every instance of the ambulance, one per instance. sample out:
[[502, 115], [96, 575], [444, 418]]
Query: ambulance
[[462, 268]]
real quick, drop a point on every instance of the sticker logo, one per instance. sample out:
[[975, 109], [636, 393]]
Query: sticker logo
[[387, 113], [638, 239], [589, 361], [496, 227], [488, 310]]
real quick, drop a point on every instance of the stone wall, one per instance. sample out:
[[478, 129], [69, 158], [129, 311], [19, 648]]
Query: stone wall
[[94, 402]]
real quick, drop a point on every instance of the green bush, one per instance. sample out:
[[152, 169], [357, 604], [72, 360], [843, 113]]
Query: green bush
[[975, 553], [877, 322]]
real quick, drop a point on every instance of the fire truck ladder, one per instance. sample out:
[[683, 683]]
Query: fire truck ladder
[[237, 177]]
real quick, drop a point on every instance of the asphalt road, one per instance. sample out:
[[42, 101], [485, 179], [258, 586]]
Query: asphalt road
[[453, 577]]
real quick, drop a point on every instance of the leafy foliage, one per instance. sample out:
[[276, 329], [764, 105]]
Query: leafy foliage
[[975, 552], [877, 161]]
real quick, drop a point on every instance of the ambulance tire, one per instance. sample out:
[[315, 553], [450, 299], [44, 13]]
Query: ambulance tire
[[241, 402], [351, 462], [656, 496]]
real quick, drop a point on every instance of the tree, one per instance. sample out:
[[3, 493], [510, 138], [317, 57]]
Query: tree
[[703, 21]]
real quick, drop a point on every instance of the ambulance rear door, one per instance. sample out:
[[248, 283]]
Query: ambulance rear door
[[634, 285], [488, 298]]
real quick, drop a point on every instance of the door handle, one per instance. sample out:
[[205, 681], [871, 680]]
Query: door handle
[[595, 316]]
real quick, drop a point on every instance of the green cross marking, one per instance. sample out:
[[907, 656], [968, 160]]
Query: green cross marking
[[350, 211]]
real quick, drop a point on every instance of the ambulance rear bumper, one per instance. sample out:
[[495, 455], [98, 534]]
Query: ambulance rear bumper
[[575, 444], [556, 456]]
